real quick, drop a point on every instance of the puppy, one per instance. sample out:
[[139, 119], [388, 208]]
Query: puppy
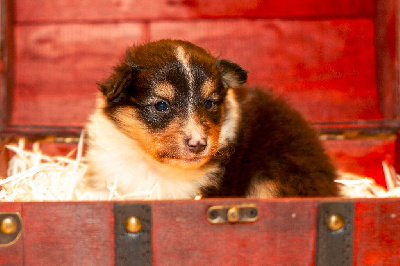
[[174, 122]]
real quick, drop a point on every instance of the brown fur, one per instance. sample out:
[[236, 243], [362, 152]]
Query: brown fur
[[184, 116]]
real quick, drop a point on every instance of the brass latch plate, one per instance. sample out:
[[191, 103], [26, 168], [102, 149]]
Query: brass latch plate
[[245, 213]]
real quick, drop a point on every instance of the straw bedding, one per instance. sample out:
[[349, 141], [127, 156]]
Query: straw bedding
[[33, 176]]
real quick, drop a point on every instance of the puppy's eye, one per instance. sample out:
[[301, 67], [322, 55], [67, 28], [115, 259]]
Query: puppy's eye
[[208, 104], [161, 106]]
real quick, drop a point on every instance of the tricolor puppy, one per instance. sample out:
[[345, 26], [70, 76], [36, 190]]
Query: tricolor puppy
[[173, 122]]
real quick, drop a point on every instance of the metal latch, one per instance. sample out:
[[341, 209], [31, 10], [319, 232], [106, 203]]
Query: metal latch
[[245, 213], [10, 228]]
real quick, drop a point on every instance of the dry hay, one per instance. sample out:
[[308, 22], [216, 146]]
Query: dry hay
[[33, 176]]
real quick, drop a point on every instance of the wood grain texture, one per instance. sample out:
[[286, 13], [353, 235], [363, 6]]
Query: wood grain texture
[[362, 157], [387, 57], [284, 232], [68, 233], [326, 69], [81, 233], [103, 10], [376, 231], [57, 67], [6, 61]]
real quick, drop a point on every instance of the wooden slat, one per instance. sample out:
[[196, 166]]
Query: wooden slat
[[68, 233], [57, 68], [376, 232], [40, 132], [387, 57], [363, 157], [85, 10], [81, 233], [284, 232], [332, 65], [4, 158], [6, 61]]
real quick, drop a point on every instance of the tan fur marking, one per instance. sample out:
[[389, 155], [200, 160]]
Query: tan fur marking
[[208, 88], [165, 90], [232, 118], [231, 80], [263, 189], [168, 146]]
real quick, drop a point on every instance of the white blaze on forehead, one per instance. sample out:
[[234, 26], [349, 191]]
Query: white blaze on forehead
[[184, 59]]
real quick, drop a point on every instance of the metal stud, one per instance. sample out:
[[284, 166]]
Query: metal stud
[[8, 226], [133, 225], [335, 222], [233, 215]]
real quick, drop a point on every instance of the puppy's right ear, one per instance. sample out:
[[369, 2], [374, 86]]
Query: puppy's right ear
[[123, 74], [232, 74]]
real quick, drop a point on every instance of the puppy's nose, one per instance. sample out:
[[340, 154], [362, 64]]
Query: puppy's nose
[[196, 145]]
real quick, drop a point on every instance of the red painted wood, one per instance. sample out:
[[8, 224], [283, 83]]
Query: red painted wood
[[376, 232], [14, 254], [57, 67], [6, 61], [284, 232], [68, 233], [324, 68], [363, 157], [103, 10], [322, 65], [396, 155], [81, 233], [387, 57]]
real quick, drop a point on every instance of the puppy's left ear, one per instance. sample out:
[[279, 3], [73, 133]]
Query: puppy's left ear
[[123, 74], [232, 74], [118, 81]]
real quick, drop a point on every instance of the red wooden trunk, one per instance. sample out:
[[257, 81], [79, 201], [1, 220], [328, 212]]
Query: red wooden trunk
[[287, 231], [336, 61]]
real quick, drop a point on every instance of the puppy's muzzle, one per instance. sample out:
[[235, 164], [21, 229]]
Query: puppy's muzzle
[[196, 145]]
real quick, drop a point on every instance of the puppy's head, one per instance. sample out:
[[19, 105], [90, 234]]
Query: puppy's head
[[169, 96]]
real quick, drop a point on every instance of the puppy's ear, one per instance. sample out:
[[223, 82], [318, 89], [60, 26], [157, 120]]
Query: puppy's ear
[[123, 74], [232, 74]]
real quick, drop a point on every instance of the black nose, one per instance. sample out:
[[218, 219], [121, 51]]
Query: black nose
[[196, 145]]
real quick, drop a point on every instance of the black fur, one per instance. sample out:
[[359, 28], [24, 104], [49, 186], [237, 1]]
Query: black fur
[[273, 141]]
